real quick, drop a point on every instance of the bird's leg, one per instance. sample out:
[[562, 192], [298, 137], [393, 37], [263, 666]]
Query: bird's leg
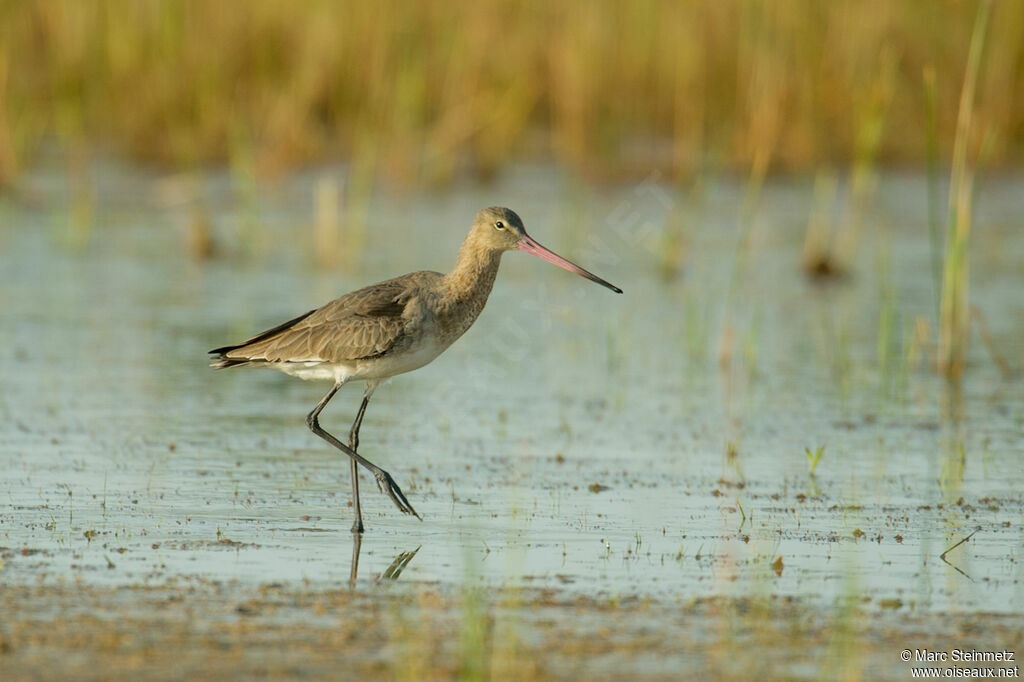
[[353, 434], [353, 442], [357, 523], [357, 541], [384, 480]]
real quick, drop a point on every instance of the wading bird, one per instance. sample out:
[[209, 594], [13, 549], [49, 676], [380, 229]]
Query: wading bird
[[390, 328]]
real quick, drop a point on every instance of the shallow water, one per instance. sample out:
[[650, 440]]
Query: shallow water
[[650, 444]]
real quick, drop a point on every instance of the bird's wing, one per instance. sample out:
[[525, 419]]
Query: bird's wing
[[362, 324]]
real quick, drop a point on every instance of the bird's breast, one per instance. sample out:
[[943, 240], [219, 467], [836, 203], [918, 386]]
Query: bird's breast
[[454, 320]]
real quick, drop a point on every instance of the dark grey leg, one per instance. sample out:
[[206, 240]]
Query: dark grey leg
[[357, 541], [385, 483], [353, 442]]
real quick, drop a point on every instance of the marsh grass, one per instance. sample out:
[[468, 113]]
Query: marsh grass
[[896, 347], [339, 221], [954, 310], [199, 244], [813, 457], [954, 462], [817, 257], [424, 90], [932, 157], [834, 342], [475, 636], [326, 221], [673, 247], [830, 246]]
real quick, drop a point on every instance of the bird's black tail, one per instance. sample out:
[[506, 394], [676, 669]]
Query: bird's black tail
[[223, 361]]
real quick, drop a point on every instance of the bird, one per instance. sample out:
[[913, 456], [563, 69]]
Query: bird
[[390, 328]]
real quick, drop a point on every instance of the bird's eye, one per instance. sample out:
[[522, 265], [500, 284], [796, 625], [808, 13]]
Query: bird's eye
[[499, 225]]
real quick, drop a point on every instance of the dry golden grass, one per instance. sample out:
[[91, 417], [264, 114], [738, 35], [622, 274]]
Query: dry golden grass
[[415, 90]]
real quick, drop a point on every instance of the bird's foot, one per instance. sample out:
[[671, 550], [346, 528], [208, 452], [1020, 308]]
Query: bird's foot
[[387, 485]]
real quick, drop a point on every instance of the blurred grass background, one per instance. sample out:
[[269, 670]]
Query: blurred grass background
[[416, 92]]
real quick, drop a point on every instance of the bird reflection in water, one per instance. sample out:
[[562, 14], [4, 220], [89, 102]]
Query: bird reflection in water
[[391, 573]]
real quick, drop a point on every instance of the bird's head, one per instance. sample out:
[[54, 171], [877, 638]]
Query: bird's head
[[501, 229]]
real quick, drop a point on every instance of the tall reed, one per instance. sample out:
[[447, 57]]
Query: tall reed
[[954, 311], [610, 88]]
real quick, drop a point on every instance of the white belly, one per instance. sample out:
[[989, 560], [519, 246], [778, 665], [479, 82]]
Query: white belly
[[378, 368]]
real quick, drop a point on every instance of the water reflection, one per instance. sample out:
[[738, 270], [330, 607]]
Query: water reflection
[[960, 542], [397, 566], [391, 573]]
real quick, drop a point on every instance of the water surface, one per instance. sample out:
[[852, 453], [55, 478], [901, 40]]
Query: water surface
[[646, 445]]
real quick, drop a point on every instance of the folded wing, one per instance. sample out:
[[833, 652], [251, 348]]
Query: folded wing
[[363, 324]]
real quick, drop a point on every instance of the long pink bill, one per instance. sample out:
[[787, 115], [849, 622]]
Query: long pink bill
[[530, 245]]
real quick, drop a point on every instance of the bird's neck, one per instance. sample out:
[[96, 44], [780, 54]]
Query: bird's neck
[[474, 272]]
